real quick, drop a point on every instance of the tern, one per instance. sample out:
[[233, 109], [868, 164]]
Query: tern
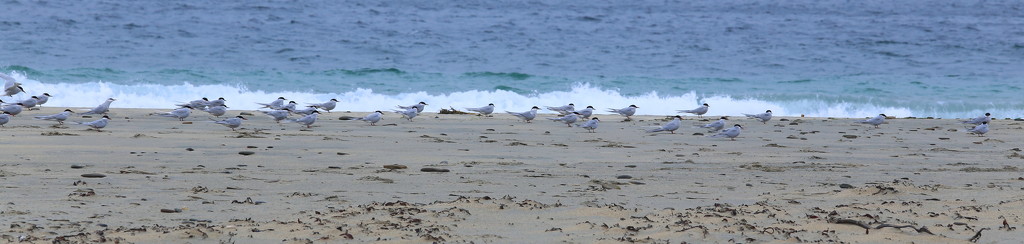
[[11, 86], [278, 115], [699, 111], [326, 106], [717, 125], [563, 110], [373, 118], [671, 126], [730, 133], [419, 107], [627, 111], [216, 111], [877, 120], [97, 124], [586, 112], [199, 104], [13, 109], [102, 108], [60, 117], [4, 118], [408, 113], [43, 99], [180, 113], [979, 120], [979, 130], [590, 125], [485, 110], [526, 116], [308, 120], [763, 117], [232, 122], [568, 119], [275, 105]]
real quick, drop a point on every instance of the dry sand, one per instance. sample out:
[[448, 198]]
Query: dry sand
[[790, 180]]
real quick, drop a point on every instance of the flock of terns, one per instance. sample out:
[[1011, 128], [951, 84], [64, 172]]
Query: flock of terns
[[279, 110]]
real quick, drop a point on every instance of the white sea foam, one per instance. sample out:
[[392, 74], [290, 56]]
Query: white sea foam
[[163, 96]]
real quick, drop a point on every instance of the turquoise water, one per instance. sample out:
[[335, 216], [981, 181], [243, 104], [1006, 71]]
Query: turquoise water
[[816, 58]]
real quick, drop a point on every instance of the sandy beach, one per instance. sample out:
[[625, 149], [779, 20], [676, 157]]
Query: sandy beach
[[465, 178]]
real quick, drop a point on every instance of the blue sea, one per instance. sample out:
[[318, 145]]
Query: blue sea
[[834, 58]]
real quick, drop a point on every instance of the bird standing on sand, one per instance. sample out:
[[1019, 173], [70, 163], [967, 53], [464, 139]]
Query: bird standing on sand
[[671, 126], [13, 109], [308, 120], [877, 120], [278, 115], [979, 130], [568, 119], [232, 122], [419, 107], [485, 110], [730, 133], [699, 111], [627, 111], [763, 117], [586, 112], [30, 102], [408, 113], [526, 116], [179, 114], [43, 99], [717, 125], [275, 105], [219, 102], [305, 111], [979, 119], [373, 118], [4, 118], [326, 106], [290, 106], [60, 117], [590, 125], [199, 104], [216, 111], [102, 108], [96, 124], [563, 110]]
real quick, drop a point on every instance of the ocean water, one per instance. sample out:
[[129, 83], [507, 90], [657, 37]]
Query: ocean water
[[805, 57]]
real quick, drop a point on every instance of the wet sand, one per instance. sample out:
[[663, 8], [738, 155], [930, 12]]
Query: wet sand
[[790, 180]]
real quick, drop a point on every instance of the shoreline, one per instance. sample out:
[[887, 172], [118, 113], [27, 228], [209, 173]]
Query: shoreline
[[641, 185]]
